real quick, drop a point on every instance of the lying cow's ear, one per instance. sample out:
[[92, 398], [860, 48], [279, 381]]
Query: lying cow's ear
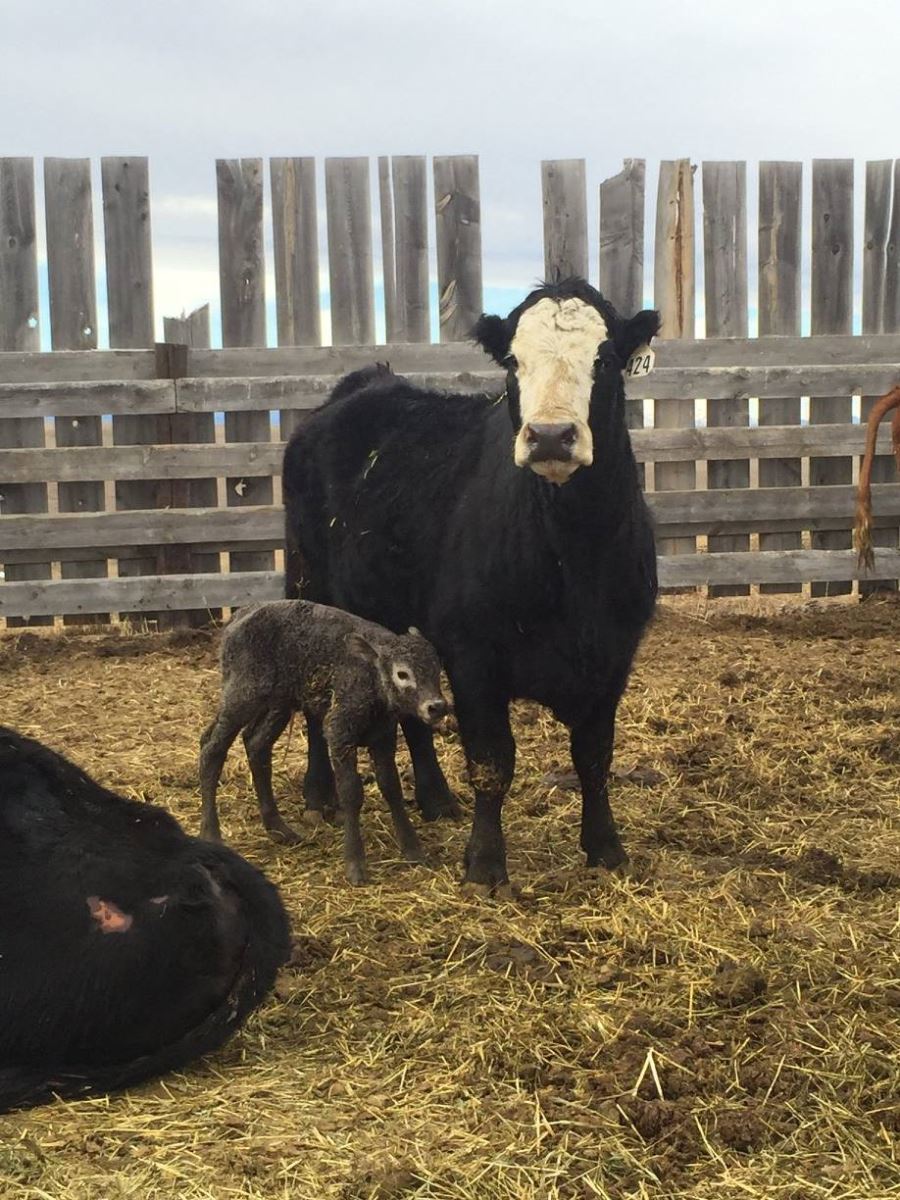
[[639, 331], [492, 334], [361, 647]]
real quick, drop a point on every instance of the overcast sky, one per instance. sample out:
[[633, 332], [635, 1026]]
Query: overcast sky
[[513, 82]]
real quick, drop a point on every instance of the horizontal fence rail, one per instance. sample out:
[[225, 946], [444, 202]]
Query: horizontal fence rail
[[144, 479]]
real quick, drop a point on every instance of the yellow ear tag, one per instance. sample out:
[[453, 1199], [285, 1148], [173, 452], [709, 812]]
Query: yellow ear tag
[[641, 362]]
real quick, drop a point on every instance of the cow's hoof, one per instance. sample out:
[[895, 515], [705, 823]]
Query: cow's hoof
[[210, 833], [415, 853], [314, 816], [444, 806], [281, 832], [612, 857], [485, 873]]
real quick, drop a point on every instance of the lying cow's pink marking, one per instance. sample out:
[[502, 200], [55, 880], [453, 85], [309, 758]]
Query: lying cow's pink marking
[[109, 916]]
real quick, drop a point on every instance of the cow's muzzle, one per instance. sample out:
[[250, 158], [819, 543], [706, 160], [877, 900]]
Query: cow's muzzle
[[550, 442]]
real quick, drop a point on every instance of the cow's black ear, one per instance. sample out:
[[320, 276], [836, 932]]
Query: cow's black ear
[[639, 331], [492, 334]]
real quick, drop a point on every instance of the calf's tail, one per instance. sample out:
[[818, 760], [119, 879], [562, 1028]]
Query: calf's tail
[[862, 533]]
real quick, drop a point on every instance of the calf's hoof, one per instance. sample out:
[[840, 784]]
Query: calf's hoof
[[414, 852], [441, 806], [280, 831], [356, 873], [484, 873], [210, 832], [612, 856]]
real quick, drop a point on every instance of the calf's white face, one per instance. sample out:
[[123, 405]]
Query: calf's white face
[[555, 344]]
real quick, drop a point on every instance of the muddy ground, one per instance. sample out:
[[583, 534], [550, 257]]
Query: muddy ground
[[722, 1021]]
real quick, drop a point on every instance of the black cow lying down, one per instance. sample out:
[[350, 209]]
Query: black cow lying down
[[510, 529], [127, 948]]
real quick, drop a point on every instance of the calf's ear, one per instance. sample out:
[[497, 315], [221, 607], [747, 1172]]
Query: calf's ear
[[639, 331], [361, 647], [492, 334]]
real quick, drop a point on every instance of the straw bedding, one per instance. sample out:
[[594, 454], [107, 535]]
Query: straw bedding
[[722, 1021]]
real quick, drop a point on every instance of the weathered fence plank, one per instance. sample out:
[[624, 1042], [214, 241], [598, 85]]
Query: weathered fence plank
[[19, 315], [349, 219], [564, 191], [779, 314], [674, 297], [388, 255], [296, 245], [832, 312], [457, 204], [879, 180], [622, 250], [242, 284], [891, 307], [410, 210], [68, 209], [725, 276]]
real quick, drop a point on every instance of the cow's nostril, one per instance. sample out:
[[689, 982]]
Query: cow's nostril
[[569, 436], [436, 709]]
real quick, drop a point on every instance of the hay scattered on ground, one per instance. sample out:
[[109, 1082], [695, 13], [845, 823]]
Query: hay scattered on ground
[[721, 1022]]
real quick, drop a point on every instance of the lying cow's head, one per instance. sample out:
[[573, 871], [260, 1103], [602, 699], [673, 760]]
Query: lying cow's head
[[564, 349]]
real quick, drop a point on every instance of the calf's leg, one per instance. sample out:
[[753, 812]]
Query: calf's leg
[[318, 783], [259, 738], [215, 743], [350, 798], [433, 796], [384, 751], [591, 742]]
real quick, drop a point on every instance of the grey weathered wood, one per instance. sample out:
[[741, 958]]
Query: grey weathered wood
[[721, 510], [801, 566], [891, 306], [832, 312], [129, 285], [388, 257], [68, 209], [779, 314], [239, 185], [242, 279], [191, 330], [879, 188], [129, 267], [19, 317], [410, 207], [622, 237], [622, 250], [30, 400], [457, 203], [76, 366], [725, 278], [674, 297], [206, 460], [296, 245], [350, 268], [564, 191]]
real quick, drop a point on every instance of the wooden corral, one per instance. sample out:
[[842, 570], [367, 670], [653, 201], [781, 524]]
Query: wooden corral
[[144, 479]]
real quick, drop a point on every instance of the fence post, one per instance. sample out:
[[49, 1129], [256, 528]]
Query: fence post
[[564, 193], [457, 206]]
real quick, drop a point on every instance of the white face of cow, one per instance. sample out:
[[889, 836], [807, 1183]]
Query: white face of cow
[[555, 344]]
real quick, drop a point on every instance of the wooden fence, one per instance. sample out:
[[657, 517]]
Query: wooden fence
[[121, 492]]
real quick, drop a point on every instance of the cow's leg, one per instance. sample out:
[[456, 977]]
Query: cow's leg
[[350, 798], [318, 783], [384, 750], [491, 757], [592, 747], [259, 738], [215, 743], [433, 796]]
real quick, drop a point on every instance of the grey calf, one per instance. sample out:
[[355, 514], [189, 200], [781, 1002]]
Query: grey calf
[[351, 678]]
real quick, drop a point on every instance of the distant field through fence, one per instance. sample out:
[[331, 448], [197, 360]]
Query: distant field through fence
[[144, 479]]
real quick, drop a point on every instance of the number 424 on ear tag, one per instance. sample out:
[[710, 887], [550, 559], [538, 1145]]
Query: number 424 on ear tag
[[641, 362]]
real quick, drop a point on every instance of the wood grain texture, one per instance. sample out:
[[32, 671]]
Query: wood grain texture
[[674, 297], [410, 204], [779, 253], [891, 306], [350, 269], [622, 250], [876, 233], [725, 288], [296, 245], [68, 208], [832, 312], [388, 257], [564, 193], [19, 330], [457, 203]]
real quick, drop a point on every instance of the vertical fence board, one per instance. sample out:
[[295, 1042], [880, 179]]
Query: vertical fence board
[[832, 312], [891, 304], [622, 252], [129, 285], [457, 206], [879, 179], [242, 289], [68, 207], [19, 331], [564, 191], [296, 245], [780, 185], [388, 257], [674, 297], [350, 251], [725, 289], [410, 203]]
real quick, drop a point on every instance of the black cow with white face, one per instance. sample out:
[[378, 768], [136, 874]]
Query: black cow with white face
[[511, 530]]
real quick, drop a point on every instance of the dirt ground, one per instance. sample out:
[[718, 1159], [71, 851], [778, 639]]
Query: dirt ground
[[722, 1021]]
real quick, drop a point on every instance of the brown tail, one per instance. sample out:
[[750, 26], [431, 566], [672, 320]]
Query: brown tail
[[862, 533]]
